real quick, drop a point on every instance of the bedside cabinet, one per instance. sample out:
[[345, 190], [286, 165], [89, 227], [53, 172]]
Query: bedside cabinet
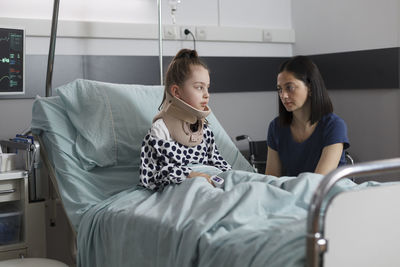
[[13, 203], [22, 224]]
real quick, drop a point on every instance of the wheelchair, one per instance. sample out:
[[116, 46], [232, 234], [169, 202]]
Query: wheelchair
[[257, 153]]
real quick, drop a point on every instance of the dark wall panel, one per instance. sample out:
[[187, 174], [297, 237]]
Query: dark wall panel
[[369, 69], [243, 74]]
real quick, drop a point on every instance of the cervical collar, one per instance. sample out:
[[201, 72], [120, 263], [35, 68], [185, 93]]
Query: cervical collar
[[178, 116]]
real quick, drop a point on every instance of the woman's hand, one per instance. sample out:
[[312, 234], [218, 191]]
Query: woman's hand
[[196, 174]]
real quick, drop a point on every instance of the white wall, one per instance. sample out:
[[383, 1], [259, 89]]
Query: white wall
[[345, 25], [245, 113], [263, 13], [225, 13], [258, 108], [15, 117], [373, 121], [372, 115]]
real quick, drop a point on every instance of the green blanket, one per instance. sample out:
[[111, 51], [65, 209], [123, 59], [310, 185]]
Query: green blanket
[[255, 220]]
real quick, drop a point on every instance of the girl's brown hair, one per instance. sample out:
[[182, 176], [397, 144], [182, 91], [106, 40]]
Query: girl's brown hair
[[179, 69]]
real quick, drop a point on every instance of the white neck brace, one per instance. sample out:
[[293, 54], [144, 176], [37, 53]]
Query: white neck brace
[[178, 116]]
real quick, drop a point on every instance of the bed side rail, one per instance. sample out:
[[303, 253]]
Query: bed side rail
[[53, 179], [316, 244]]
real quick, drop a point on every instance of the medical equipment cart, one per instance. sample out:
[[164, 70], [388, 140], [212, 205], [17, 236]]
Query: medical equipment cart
[[22, 220], [13, 200]]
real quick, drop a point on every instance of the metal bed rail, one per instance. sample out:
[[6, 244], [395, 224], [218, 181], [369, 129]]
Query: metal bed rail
[[316, 244], [52, 175]]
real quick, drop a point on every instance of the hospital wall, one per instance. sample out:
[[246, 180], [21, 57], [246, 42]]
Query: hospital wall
[[256, 108], [371, 111], [321, 28]]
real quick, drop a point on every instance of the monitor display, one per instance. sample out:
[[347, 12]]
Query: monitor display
[[12, 59]]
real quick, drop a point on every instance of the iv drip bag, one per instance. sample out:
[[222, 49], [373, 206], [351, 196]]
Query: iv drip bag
[[174, 5]]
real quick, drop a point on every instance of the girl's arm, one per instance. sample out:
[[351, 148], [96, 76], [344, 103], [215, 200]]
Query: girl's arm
[[214, 158], [201, 174], [157, 169], [274, 166], [329, 159]]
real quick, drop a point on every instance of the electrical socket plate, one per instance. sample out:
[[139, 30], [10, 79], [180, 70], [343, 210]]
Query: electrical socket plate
[[201, 33], [171, 32], [267, 36], [189, 36]]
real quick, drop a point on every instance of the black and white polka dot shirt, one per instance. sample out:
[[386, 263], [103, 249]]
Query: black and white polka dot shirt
[[166, 161]]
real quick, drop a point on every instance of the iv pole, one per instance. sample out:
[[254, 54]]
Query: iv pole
[[50, 61], [160, 43]]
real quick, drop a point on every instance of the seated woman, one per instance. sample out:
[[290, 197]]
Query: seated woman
[[306, 136]]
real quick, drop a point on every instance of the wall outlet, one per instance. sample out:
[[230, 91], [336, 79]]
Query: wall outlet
[[201, 33], [189, 36], [267, 36], [171, 32]]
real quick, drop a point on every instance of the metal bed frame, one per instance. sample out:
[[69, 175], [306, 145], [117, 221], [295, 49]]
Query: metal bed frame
[[316, 243]]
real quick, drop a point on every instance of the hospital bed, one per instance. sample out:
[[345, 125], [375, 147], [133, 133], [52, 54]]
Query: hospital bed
[[91, 133]]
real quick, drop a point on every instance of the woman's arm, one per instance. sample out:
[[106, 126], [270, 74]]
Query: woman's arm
[[329, 159], [274, 166]]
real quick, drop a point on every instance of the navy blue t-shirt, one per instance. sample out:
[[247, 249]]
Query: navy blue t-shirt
[[303, 157]]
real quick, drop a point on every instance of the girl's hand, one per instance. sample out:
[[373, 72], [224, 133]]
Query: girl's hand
[[196, 174]]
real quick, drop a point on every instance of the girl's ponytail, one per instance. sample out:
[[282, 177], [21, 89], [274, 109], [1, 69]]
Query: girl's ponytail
[[179, 69]]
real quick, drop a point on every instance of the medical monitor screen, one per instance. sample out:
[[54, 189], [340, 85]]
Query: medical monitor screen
[[12, 56]]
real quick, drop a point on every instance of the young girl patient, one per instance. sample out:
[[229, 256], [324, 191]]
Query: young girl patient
[[179, 135]]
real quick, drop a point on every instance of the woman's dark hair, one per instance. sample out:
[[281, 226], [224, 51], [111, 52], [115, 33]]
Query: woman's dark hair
[[179, 69], [305, 70]]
